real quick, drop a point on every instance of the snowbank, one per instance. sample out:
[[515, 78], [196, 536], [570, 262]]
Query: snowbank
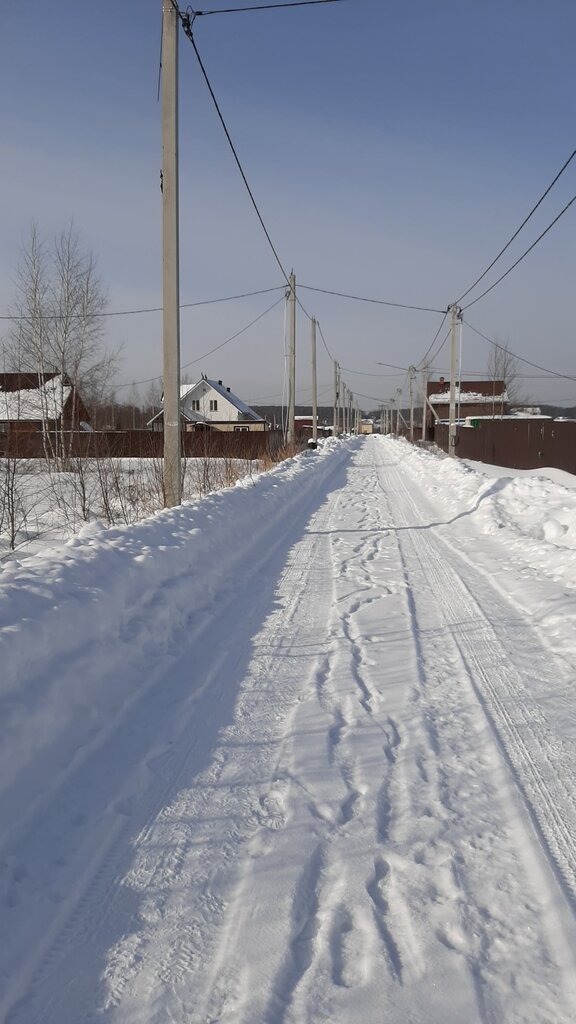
[[63, 611]]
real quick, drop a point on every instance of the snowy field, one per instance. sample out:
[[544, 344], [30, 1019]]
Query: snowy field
[[42, 507], [301, 751]]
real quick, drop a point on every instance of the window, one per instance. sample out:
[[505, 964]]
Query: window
[[195, 405], [237, 429], [213, 405]]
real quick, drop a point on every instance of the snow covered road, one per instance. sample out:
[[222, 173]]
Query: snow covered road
[[303, 752]]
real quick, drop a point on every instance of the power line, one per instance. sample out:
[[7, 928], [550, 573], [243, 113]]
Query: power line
[[378, 302], [433, 342], [149, 380], [517, 232], [438, 350], [266, 7], [323, 389], [521, 359], [520, 258], [330, 356], [393, 366], [234, 336], [368, 373], [150, 309], [187, 26]]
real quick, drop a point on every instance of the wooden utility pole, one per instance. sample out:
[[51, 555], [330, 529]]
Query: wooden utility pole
[[291, 433], [454, 318], [314, 384], [170, 257], [398, 400]]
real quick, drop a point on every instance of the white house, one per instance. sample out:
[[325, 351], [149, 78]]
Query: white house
[[209, 403]]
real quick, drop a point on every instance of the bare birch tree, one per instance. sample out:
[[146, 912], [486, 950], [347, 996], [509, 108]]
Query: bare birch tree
[[503, 365], [57, 322]]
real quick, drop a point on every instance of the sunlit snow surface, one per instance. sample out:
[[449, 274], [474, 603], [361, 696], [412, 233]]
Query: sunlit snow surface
[[302, 751]]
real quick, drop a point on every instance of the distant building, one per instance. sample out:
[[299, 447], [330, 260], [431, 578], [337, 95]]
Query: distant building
[[304, 425], [210, 405], [473, 398]]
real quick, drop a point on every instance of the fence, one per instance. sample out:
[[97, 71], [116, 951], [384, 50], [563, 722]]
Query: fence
[[142, 444], [517, 443]]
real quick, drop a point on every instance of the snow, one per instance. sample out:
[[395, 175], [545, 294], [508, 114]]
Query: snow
[[467, 397], [44, 402], [300, 751]]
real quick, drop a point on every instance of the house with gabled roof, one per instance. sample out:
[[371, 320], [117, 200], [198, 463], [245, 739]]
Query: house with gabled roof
[[32, 402], [210, 405]]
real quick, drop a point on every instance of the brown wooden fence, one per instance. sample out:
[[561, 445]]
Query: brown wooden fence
[[517, 443], [143, 444]]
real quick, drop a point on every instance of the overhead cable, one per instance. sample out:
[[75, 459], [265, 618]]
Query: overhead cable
[[520, 258], [184, 366], [518, 230], [521, 358], [433, 342], [187, 26], [149, 309], [330, 356], [439, 349], [266, 7], [393, 366], [377, 302], [369, 373], [233, 336]]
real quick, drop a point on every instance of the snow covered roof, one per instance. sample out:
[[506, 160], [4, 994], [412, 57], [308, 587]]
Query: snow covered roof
[[45, 401], [465, 397], [242, 407], [217, 385]]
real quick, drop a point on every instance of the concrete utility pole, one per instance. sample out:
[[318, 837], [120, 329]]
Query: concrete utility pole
[[291, 433], [334, 424], [455, 314], [398, 401], [314, 384], [170, 257], [411, 375], [424, 406]]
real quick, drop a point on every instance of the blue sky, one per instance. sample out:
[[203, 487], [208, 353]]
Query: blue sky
[[392, 148]]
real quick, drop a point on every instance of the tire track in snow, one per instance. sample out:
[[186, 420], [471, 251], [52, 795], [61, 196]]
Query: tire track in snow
[[100, 905], [499, 686], [335, 939], [463, 642], [267, 813]]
